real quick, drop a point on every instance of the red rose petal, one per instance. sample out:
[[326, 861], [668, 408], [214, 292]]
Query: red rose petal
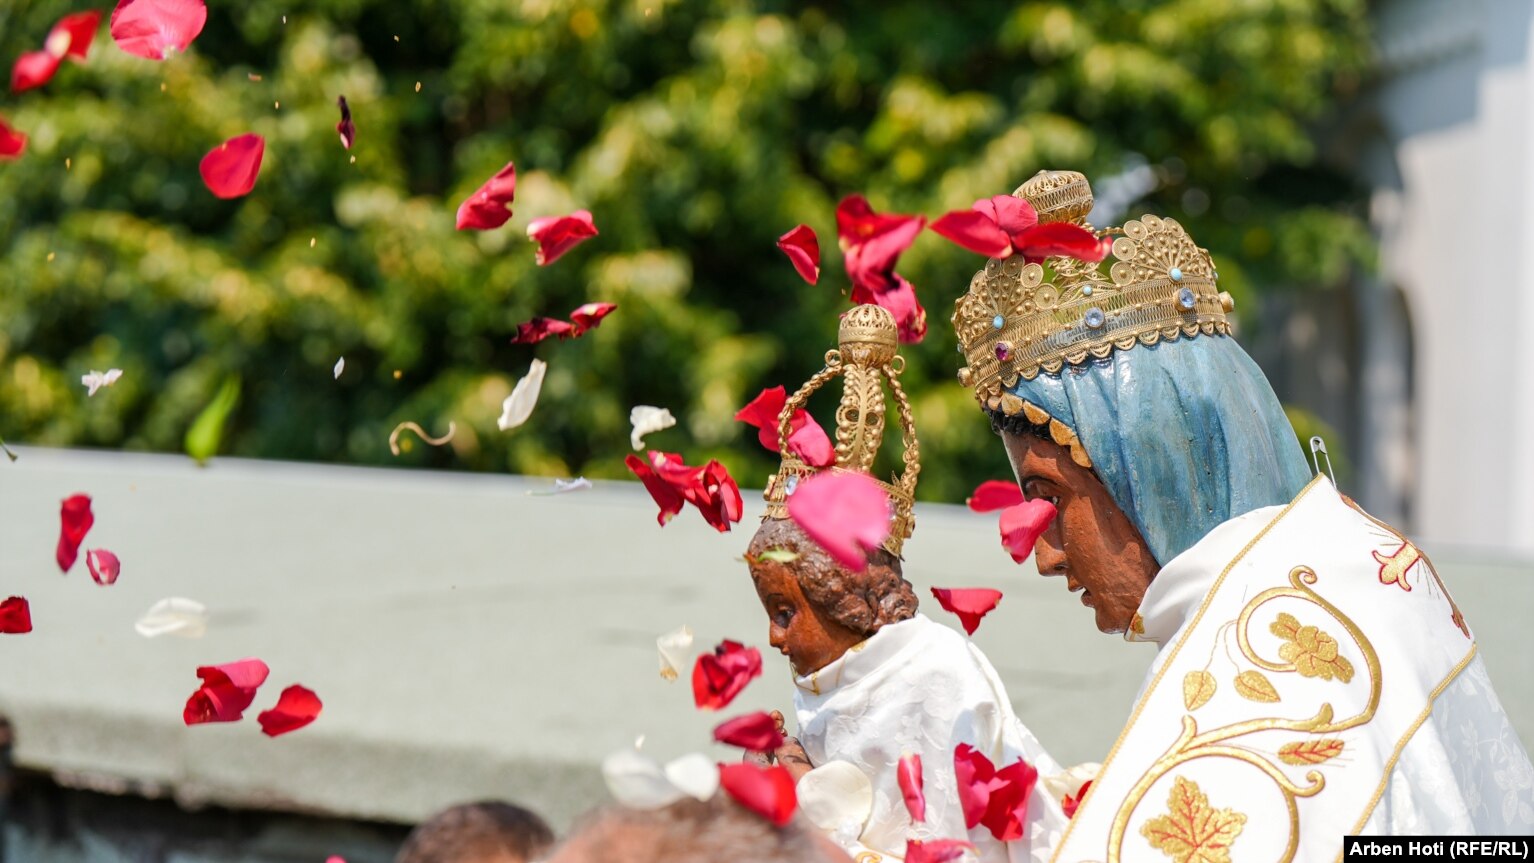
[[73, 35], [763, 411], [994, 494], [899, 298], [1022, 525], [977, 780], [12, 143], [969, 603], [756, 732], [556, 235], [720, 676], [225, 692], [295, 708], [803, 251], [75, 520], [767, 791], [665, 495], [1057, 239], [346, 128], [104, 566], [153, 28], [490, 205], [1072, 802], [34, 69], [717, 497], [974, 231], [589, 315], [1012, 214], [936, 850], [908, 774], [536, 330], [1006, 815], [872, 242], [15, 616], [847, 514], [230, 169]]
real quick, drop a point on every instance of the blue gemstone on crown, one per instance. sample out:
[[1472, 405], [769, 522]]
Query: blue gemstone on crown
[[1086, 290], [1094, 318], [998, 321], [792, 484], [1176, 274], [1186, 299]]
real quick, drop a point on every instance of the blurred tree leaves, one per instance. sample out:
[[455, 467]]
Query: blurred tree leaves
[[697, 131]]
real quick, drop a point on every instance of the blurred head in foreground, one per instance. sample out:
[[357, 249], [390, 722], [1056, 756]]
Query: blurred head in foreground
[[692, 832], [484, 832]]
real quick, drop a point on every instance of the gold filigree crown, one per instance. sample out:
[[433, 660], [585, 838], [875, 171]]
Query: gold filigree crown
[[865, 359], [1156, 285]]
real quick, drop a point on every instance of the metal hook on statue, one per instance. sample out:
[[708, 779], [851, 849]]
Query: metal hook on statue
[[1318, 452]]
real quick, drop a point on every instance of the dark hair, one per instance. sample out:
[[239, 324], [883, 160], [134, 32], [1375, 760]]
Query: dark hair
[[1017, 424], [861, 601], [689, 831], [477, 833]]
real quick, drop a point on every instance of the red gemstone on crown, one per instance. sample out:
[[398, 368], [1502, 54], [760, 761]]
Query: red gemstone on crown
[[1003, 351]]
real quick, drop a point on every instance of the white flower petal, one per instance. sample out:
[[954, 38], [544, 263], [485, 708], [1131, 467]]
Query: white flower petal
[[577, 484], [183, 618], [340, 367], [834, 795], [95, 380], [646, 419], [637, 782], [519, 405], [1069, 782], [696, 775], [675, 652]]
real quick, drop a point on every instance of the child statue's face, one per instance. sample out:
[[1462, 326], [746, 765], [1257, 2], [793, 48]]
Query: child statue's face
[[796, 627]]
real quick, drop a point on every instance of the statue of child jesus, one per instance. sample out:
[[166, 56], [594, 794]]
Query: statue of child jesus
[[876, 680]]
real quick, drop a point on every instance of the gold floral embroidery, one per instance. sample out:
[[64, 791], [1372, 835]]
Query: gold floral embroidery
[[1192, 831], [1197, 688], [1137, 624], [1393, 566], [1312, 652], [1255, 686], [1310, 751], [868, 857]]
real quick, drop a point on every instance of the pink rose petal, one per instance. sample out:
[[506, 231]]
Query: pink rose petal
[[34, 69], [104, 566], [803, 251], [969, 603], [847, 514], [1022, 525], [12, 143], [153, 28], [230, 169], [994, 494], [556, 235]]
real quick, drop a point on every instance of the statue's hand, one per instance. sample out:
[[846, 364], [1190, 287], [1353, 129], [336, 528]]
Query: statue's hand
[[792, 756]]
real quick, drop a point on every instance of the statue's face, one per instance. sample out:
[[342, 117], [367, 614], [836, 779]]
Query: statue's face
[[795, 626], [1091, 542]]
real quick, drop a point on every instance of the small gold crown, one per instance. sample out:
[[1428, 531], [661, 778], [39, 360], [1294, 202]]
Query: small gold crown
[[1013, 323], [866, 357]]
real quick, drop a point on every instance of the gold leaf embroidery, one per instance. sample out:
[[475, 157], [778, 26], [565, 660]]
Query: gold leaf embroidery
[[1191, 831], [1312, 652], [1310, 751], [1393, 566], [1197, 688], [1254, 686]]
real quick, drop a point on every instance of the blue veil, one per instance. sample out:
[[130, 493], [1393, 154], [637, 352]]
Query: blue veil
[[1185, 434]]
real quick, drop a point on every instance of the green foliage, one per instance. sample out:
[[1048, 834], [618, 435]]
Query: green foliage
[[696, 131]]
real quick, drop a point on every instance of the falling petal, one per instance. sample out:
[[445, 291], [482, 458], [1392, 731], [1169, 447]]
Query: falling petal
[[970, 604], [872, 242], [225, 692], [524, 396], [346, 129], [995, 494], [675, 648], [340, 367], [975, 231], [95, 380], [12, 143], [153, 28], [767, 791], [1022, 525], [803, 251], [847, 514], [647, 419], [588, 316], [836, 797], [490, 205], [696, 775], [103, 565], [638, 782], [72, 36], [452, 428], [909, 776], [719, 676], [295, 708], [34, 69], [1059, 239], [183, 618], [207, 431], [536, 330], [15, 616], [936, 850], [665, 495], [754, 732], [230, 169], [75, 520], [805, 436], [1071, 802], [556, 235]]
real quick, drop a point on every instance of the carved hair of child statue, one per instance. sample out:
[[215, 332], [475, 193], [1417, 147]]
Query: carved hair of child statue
[[818, 609]]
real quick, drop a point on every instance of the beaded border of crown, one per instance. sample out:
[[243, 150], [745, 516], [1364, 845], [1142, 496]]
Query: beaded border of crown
[[1014, 324], [865, 360]]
